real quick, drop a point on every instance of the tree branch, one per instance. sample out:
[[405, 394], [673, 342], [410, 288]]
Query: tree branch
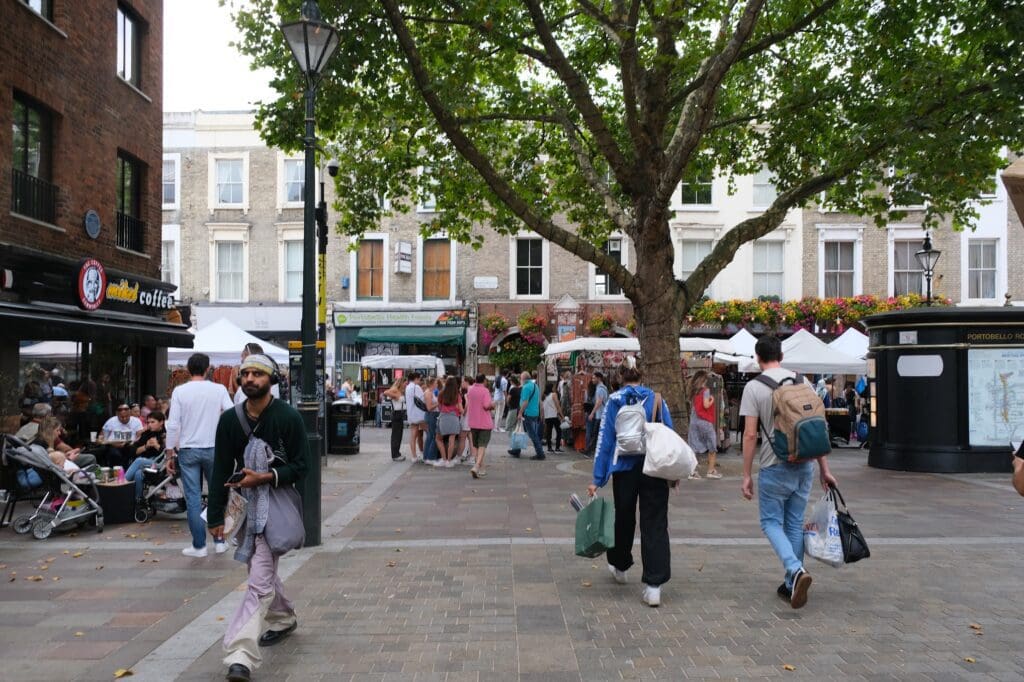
[[569, 241], [594, 179], [505, 116]]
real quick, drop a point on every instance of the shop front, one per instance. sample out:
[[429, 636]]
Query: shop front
[[117, 326], [396, 330]]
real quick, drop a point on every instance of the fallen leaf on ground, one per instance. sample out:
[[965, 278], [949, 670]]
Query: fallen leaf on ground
[[56, 578], [789, 667], [969, 659], [700, 568], [220, 617], [529, 530], [392, 564], [67, 551], [34, 578], [398, 530], [148, 553], [587, 583], [122, 672], [44, 567], [77, 554], [53, 558], [974, 626], [100, 567], [79, 634], [979, 633], [154, 561], [398, 549], [3, 566]]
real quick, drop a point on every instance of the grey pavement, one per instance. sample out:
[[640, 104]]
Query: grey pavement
[[428, 574]]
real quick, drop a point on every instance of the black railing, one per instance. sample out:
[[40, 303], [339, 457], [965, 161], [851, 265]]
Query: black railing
[[130, 232], [33, 197]]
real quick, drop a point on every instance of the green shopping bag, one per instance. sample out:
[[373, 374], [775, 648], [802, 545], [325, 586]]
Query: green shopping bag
[[595, 528]]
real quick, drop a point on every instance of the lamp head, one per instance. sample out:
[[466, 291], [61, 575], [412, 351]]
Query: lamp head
[[311, 39]]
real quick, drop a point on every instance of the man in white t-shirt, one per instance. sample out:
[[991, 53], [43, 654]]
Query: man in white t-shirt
[[415, 414], [253, 348], [498, 398], [117, 435], [191, 434]]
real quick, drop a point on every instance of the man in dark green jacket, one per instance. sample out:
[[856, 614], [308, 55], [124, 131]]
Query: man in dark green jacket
[[281, 427]]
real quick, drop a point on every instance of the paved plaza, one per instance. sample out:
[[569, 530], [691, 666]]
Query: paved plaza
[[427, 574]]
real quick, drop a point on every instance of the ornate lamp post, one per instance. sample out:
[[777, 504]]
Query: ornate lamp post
[[312, 42], [927, 257]]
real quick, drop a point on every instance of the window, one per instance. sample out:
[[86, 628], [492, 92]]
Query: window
[[908, 278], [691, 253], [43, 8], [129, 186], [428, 200], [293, 270], [697, 192], [32, 194], [839, 269], [764, 191], [127, 47], [294, 180], [604, 285], [768, 268], [230, 269], [170, 182], [437, 269], [229, 182], [168, 261], [370, 269], [981, 268], [529, 267]]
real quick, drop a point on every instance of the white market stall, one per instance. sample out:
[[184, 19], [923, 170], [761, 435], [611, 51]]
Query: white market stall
[[803, 352], [428, 362], [690, 344], [851, 342], [223, 342], [51, 350]]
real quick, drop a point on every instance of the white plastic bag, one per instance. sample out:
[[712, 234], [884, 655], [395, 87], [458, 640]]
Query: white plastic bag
[[668, 455], [821, 532]]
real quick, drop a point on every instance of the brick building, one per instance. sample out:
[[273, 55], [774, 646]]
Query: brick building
[[80, 121]]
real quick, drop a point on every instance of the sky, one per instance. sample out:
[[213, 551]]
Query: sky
[[201, 69]]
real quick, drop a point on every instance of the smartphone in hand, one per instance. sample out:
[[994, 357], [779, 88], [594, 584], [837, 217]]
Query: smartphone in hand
[[236, 477]]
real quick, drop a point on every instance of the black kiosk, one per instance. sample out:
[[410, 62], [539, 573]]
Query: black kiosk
[[947, 389]]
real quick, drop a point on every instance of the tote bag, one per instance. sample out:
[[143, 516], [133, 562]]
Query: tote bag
[[595, 528]]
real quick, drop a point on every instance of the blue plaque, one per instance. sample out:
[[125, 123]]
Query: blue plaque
[[92, 224]]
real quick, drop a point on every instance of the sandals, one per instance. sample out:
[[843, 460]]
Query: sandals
[[713, 474], [694, 476]]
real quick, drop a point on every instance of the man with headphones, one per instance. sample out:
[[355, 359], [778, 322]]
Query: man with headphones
[[191, 431], [281, 428], [249, 349]]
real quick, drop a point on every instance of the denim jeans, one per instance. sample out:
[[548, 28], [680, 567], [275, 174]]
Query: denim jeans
[[136, 474], [195, 464], [430, 452], [782, 492], [532, 427], [593, 431]]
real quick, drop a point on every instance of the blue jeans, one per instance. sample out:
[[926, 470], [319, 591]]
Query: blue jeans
[[532, 427], [430, 452], [593, 430], [782, 492], [195, 464], [135, 473]]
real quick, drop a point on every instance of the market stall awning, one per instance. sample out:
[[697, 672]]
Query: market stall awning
[[437, 335]]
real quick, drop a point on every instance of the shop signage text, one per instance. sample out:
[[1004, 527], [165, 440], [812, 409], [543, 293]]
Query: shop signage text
[[93, 290], [995, 337], [383, 318], [131, 292]]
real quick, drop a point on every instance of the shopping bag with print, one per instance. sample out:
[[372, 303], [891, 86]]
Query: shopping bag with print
[[821, 532], [595, 528], [519, 439]]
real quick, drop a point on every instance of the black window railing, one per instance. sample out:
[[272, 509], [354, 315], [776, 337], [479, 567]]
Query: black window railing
[[130, 232], [33, 197]]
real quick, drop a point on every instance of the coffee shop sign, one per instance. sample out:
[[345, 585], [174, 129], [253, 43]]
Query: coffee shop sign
[[131, 292], [94, 289]]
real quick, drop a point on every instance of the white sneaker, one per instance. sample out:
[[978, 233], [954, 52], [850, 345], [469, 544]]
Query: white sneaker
[[620, 576], [450, 464], [194, 553], [651, 595], [220, 547]]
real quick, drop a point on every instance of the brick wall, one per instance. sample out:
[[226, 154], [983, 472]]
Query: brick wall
[[69, 67]]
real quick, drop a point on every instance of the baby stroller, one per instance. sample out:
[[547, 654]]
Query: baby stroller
[[161, 492], [65, 501]]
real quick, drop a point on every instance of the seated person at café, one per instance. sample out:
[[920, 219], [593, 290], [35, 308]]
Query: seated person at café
[[117, 436], [146, 448], [28, 433]]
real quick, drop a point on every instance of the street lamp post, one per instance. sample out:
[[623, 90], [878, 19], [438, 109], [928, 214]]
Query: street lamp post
[[927, 257], [312, 42]]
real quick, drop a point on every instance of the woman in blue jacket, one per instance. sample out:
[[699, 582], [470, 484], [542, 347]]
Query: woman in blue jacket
[[629, 486]]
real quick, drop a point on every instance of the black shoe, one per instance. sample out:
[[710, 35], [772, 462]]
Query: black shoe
[[513, 453], [801, 583], [784, 592], [538, 457], [238, 673], [272, 637]]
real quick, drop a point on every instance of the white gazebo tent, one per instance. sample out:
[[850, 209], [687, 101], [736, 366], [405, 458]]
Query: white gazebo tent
[[851, 342], [52, 350], [428, 362], [594, 343], [804, 352], [223, 342]]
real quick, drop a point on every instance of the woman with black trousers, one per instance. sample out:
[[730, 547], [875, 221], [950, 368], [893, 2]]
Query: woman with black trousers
[[631, 485], [396, 394]]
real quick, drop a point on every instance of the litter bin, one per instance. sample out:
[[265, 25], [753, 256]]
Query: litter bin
[[343, 428]]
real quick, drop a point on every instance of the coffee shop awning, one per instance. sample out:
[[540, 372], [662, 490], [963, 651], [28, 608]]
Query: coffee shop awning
[[442, 336], [65, 323]]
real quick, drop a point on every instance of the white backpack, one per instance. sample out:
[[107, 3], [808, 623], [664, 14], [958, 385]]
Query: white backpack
[[630, 436]]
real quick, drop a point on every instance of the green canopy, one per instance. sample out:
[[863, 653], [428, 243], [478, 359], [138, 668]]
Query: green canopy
[[437, 335]]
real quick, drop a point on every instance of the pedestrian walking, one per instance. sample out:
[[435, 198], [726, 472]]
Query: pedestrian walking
[[596, 413], [416, 413], [191, 426], [782, 487], [449, 421], [463, 445], [552, 419], [512, 403], [247, 350], [430, 453], [479, 410], [529, 412], [396, 394], [274, 422], [630, 487], [498, 398], [702, 435]]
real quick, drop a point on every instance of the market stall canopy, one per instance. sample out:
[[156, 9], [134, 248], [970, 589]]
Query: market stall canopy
[[404, 362], [699, 344], [743, 343], [851, 342], [804, 352], [423, 334], [595, 343], [223, 342], [51, 350]]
